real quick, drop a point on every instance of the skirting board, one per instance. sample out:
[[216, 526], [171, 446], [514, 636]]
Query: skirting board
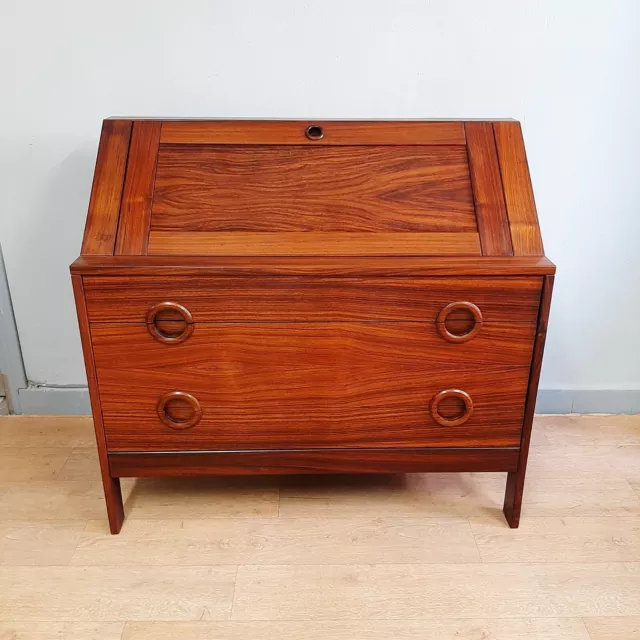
[[42, 400]]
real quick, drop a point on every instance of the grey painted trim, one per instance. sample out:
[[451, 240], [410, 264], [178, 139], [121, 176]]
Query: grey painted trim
[[11, 363], [42, 400], [55, 401]]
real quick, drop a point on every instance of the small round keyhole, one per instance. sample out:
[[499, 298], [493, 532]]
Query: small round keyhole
[[314, 132]]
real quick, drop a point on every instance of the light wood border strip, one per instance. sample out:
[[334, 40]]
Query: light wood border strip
[[135, 215], [328, 266], [106, 192], [293, 132], [518, 193], [311, 243], [491, 212], [112, 491], [274, 462]]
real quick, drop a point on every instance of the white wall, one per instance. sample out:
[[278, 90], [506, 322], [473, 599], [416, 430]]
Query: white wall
[[568, 69]]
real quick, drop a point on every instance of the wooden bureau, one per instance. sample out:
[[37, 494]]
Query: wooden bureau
[[276, 297]]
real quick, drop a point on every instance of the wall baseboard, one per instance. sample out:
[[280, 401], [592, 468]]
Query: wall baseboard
[[42, 400]]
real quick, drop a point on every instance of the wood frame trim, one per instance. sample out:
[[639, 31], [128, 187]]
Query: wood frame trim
[[515, 479], [135, 212], [112, 491], [328, 266], [518, 192], [488, 196], [335, 132], [277, 462], [106, 192], [312, 243]]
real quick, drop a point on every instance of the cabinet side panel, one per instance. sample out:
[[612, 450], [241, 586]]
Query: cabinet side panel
[[518, 193], [106, 193], [491, 212], [112, 491], [135, 216]]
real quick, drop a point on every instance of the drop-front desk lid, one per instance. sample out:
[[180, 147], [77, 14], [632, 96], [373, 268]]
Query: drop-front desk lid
[[170, 189]]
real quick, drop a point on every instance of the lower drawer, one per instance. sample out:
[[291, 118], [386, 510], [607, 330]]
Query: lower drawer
[[289, 386]]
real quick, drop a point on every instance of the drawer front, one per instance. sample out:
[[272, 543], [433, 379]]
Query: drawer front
[[286, 386], [292, 299]]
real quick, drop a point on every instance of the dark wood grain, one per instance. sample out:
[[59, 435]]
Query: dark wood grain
[[279, 462], [135, 213], [311, 243], [311, 384], [518, 192], [515, 479], [106, 192], [493, 224], [325, 266], [291, 132], [280, 188], [128, 299], [112, 491]]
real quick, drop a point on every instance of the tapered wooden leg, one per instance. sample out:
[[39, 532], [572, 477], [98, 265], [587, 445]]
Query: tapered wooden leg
[[115, 506], [515, 479], [513, 498]]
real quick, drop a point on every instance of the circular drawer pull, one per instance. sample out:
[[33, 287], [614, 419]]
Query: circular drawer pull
[[314, 132], [473, 313], [179, 410], [169, 322], [452, 393]]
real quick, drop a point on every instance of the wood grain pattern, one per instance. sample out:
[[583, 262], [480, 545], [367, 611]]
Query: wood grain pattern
[[301, 243], [518, 193], [491, 212], [112, 490], [435, 591], [357, 132], [127, 299], [278, 541], [453, 629], [135, 214], [343, 266], [105, 593], [279, 188], [106, 193], [304, 384], [319, 461], [515, 480]]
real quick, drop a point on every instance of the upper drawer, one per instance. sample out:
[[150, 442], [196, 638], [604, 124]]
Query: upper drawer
[[290, 299]]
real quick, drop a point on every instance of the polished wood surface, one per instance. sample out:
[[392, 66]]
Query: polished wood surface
[[518, 193], [112, 491], [106, 193], [380, 291], [279, 189], [283, 132], [515, 480], [310, 461], [63, 575], [378, 266], [128, 299], [135, 215], [310, 384], [488, 195], [312, 243]]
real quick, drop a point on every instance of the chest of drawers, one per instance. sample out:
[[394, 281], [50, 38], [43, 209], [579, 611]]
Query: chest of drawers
[[279, 297]]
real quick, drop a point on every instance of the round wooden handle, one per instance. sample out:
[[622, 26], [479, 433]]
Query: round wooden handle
[[196, 410], [163, 307], [455, 306], [452, 393]]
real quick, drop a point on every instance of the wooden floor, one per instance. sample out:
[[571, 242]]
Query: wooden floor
[[332, 558]]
